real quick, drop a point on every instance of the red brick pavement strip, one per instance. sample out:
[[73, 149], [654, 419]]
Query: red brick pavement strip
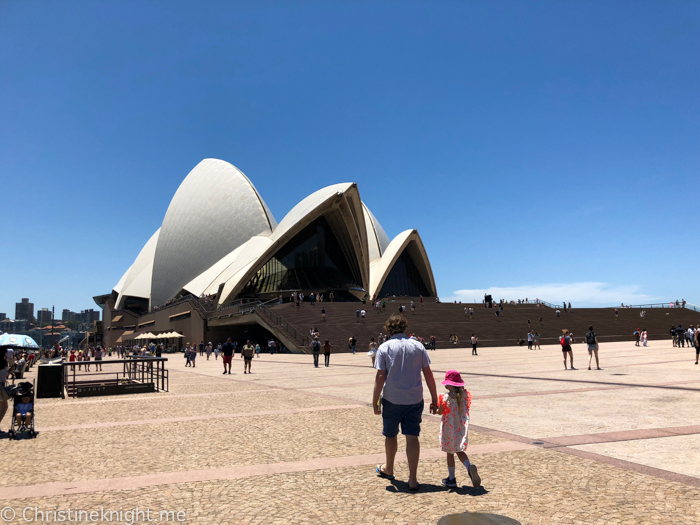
[[622, 435], [122, 399], [235, 472], [199, 418]]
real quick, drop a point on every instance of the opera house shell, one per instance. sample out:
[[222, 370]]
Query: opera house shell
[[219, 239]]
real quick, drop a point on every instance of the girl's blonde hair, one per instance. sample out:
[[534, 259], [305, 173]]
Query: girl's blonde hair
[[459, 395]]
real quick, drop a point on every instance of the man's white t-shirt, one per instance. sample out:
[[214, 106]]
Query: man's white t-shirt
[[403, 360]]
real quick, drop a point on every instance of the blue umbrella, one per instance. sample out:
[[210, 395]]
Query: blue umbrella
[[17, 341]]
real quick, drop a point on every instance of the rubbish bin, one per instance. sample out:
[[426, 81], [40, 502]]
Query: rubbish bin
[[50, 381]]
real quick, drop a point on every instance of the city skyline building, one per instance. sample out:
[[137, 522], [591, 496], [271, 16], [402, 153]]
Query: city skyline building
[[24, 310], [44, 316]]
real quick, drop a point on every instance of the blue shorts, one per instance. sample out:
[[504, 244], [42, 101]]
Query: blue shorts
[[410, 417]]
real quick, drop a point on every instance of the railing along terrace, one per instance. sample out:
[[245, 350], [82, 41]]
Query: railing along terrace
[[137, 375], [196, 301], [670, 304]]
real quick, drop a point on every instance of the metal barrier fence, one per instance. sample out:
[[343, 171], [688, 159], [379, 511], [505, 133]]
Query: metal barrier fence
[[136, 375]]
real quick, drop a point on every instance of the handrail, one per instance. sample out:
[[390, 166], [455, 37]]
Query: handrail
[[303, 340], [670, 304]]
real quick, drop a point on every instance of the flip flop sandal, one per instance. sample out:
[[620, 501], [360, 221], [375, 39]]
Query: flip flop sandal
[[381, 474]]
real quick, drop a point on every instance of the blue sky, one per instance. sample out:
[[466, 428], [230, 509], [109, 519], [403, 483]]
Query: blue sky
[[545, 149]]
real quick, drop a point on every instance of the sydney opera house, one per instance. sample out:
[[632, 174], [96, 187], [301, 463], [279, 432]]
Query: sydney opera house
[[219, 240]]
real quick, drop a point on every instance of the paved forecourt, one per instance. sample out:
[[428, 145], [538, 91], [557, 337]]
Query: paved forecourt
[[291, 443]]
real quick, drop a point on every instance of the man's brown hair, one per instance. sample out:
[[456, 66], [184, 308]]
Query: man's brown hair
[[396, 324]]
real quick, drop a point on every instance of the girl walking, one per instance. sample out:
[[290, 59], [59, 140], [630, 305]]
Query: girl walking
[[372, 351], [453, 406]]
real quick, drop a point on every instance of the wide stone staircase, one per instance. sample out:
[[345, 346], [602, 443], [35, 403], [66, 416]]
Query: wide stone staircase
[[446, 319]]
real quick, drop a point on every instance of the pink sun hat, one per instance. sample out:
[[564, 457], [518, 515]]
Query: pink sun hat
[[453, 378]]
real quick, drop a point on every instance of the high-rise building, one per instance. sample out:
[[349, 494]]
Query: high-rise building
[[44, 316], [89, 316], [3, 316], [67, 315], [24, 310]]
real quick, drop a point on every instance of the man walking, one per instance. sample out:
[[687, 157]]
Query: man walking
[[475, 341], [227, 355], [399, 363], [316, 350]]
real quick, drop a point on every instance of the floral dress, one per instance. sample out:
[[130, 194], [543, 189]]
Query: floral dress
[[454, 426]]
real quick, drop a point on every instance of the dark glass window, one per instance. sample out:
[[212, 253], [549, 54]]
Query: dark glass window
[[404, 279], [137, 305], [312, 260]]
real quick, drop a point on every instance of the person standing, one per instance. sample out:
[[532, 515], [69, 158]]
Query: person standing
[[201, 348], [247, 356], [697, 345], [529, 339], [592, 342], [193, 356], [433, 342], [357, 316], [227, 357], [316, 350], [399, 364], [323, 314], [353, 343], [565, 341], [536, 340], [372, 351], [363, 313], [475, 341], [4, 372], [680, 336], [644, 337], [98, 359], [208, 350], [327, 352]]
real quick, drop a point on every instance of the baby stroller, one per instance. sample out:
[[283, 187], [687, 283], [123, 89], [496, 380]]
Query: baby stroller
[[19, 391]]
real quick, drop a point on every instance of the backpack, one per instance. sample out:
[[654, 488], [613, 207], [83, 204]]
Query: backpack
[[563, 340], [590, 338], [316, 346]]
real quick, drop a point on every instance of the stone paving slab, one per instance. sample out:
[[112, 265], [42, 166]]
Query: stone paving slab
[[137, 450], [679, 454], [578, 492], [589, 412], [169, 407]]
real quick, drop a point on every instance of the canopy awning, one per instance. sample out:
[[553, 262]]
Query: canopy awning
[[120, 338], [17, 341]]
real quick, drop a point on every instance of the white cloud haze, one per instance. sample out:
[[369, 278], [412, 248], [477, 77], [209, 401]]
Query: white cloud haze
[[578, 294]]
